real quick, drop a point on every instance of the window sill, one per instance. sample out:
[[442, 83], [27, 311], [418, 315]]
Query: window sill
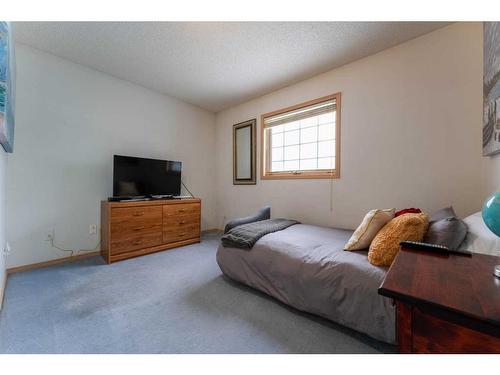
[[302, 175]]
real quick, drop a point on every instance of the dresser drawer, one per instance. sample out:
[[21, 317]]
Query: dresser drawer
[[134, 230], [134, 241], [186, 209], [181, 220], [180, 233], [136, 216]]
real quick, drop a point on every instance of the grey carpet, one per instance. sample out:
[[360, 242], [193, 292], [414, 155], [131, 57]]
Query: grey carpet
[[175, 301]]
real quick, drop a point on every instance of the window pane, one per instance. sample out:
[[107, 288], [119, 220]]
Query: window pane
[[291, 152], [292, 125], [291, 138], [308, 164], [292, 165], [276, 166], [325, 163], [277, 129], [277, 154], [326, 131], [311, 121], [301, 144], [326, 148], [309, 135], [308, 150], [277, 140], [326, 117]]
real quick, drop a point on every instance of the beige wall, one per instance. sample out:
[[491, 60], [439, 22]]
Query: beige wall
[[411, 135], [492, 173]]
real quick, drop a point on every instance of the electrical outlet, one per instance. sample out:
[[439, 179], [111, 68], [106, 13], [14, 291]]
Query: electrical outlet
[[6, 249], [92, 229]]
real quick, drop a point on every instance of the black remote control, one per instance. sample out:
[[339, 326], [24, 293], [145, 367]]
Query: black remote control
[[415, 245]]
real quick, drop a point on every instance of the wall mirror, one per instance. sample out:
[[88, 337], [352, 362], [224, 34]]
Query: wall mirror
[[244, 152]]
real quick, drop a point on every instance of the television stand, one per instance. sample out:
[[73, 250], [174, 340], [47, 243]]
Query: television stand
[[134, 228]]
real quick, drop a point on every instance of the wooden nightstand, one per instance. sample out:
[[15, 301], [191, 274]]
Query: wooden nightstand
[[445, 303]]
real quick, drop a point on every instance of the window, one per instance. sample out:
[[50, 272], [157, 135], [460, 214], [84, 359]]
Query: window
[[302, 141]]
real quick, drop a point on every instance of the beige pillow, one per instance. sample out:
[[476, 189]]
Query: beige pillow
[[385, 245], [368, 229]]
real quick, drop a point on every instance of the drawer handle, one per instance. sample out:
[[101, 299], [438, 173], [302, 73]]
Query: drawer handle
[[182, 210], [182, 234], [182, 222], [139, 228], [138, 213], [137, 242]]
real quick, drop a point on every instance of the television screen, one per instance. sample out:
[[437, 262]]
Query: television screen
[[142, 177]]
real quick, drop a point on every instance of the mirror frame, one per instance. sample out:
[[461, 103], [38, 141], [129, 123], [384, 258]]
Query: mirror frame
[[253, 131]]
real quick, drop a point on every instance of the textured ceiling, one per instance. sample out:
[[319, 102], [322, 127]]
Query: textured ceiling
[[216, 64]]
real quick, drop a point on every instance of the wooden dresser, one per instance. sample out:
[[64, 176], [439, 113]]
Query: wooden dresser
[[130, 229], [445, 303]]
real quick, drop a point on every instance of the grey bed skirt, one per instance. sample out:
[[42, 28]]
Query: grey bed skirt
[[305, 266]]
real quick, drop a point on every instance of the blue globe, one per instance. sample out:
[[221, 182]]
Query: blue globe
[[491, 213]]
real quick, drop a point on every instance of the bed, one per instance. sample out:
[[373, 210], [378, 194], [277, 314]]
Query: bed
[[305, 266]]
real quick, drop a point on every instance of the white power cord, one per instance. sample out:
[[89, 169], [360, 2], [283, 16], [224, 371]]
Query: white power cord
[[331, 194], [51, 239]]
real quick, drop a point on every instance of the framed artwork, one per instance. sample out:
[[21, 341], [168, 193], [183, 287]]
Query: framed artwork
[[491, 88], [244, 153], [7, 87]]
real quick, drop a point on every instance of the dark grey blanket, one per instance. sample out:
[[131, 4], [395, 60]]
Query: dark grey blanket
[[246, 235]]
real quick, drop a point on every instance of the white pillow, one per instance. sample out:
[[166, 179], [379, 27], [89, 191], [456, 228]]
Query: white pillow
[[479, 238], [368, 229]]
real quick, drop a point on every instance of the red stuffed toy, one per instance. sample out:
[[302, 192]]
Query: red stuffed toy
[[408, 211]]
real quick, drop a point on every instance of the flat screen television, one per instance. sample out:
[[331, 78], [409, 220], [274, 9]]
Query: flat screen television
[[133, 177]]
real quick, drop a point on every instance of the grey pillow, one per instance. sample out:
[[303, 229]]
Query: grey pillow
[[263, 214], [443, 213], [449, 232]]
